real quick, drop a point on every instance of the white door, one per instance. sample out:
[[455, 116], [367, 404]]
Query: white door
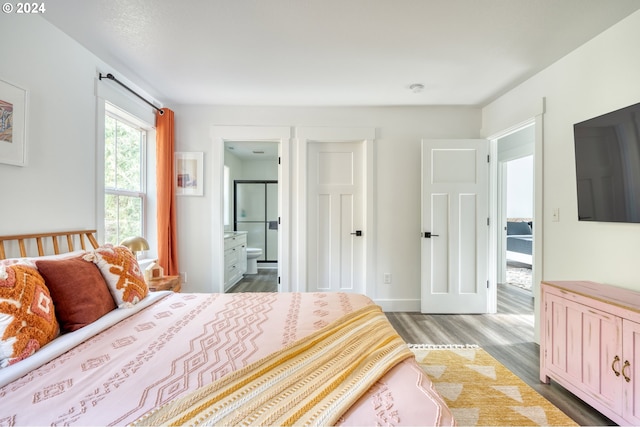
[[454, 247], [335, 214]]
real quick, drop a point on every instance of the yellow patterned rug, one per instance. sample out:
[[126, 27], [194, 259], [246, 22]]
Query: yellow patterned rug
[[482, 392]]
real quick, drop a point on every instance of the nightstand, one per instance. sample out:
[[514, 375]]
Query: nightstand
[[167, 283]]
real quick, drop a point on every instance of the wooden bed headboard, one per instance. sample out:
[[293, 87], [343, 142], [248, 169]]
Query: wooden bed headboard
[[26, 240]]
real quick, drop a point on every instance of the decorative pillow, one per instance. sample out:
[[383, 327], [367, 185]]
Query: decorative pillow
[[122, 273], [27, 314], [31, 261], [78, 290]]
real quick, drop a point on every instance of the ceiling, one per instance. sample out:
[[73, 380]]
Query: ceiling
[[332, 52], [253, 150]]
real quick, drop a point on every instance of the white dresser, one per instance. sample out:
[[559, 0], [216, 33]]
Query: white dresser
[[235, 258]]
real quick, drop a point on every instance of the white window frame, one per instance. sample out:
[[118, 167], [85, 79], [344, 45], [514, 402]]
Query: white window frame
[[123, 117], [110, 96]]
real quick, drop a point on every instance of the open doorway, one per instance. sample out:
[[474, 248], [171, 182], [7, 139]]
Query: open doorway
[[251, 212], [222, 214], [516, 208]]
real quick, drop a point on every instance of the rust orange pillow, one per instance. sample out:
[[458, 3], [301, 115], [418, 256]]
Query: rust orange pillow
[[122, 273], [78, 290], [27, 314]]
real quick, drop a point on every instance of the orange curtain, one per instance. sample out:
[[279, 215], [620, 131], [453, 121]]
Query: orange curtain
[[167, 229]]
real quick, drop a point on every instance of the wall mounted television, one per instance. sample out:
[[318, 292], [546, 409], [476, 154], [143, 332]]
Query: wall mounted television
[[607, 153]]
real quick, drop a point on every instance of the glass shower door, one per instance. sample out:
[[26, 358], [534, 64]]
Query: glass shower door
[[256, 212], [272, 221]]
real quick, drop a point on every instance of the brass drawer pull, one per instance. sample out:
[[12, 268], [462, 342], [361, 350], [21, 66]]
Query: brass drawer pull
[[625, 366], [613, 366]]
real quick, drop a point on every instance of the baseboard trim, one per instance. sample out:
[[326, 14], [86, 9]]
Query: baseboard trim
[[397, 305]]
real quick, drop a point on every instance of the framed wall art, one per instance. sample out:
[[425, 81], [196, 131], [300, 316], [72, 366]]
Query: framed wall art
[[189, 174], [13, 124]]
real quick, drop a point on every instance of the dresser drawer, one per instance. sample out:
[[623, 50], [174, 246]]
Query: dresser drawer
[[238, 240], [231, 257]]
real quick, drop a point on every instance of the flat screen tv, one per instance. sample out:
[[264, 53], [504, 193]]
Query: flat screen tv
[[607, 152]]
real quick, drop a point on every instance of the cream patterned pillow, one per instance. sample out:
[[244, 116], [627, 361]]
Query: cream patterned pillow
[[122, 273], [27, 314]]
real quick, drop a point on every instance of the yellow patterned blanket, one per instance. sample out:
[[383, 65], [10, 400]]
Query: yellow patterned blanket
[[310, 382]]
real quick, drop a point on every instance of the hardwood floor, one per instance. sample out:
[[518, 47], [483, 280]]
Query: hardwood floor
[[265, 281], [507, 336]]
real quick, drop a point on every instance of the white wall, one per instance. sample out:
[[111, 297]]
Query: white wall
[[58, 188], [259, 170], [601, 76], [516, 151], [520, 188], [396, 170]]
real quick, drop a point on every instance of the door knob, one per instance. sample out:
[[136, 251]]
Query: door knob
[[357, 233], [428, 235]]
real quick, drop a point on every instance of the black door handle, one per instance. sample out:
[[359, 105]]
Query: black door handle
[[428, 235], [357, 233]]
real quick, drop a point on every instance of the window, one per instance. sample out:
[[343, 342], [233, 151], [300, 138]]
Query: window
[[124, 180]]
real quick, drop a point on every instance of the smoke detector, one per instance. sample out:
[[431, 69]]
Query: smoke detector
[[416, 87]]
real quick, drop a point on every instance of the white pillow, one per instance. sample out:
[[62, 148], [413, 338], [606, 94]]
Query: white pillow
[[31, 261]]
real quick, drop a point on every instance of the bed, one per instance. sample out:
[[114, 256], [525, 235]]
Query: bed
[[519, 242], [150, 358]]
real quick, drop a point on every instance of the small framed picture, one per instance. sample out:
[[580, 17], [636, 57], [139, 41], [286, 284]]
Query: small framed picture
[[189, 174], [13, 124]]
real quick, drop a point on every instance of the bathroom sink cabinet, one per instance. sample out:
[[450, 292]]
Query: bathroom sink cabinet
[[235, 258]]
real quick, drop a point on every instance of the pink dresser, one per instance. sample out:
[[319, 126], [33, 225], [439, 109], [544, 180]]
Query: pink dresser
[[590, 344]]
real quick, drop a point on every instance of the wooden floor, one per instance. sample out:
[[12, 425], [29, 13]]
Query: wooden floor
[[507, 336], [265, 281]]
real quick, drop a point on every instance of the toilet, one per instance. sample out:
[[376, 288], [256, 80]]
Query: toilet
[[252, 260]]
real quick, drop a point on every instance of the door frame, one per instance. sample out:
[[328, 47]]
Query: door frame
[[281, 135], [502, 164], [303, 136], [538, 218]]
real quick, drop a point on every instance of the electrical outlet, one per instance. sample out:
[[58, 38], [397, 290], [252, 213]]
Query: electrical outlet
[[387, 278], [555, 215], [183, 277]]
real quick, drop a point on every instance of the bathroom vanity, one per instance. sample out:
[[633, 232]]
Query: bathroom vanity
[[235, 257]]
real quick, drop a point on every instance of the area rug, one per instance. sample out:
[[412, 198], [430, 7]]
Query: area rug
[[519, 276], [482, 392]]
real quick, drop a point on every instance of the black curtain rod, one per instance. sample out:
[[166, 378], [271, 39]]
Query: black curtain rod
[[111, 77]]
